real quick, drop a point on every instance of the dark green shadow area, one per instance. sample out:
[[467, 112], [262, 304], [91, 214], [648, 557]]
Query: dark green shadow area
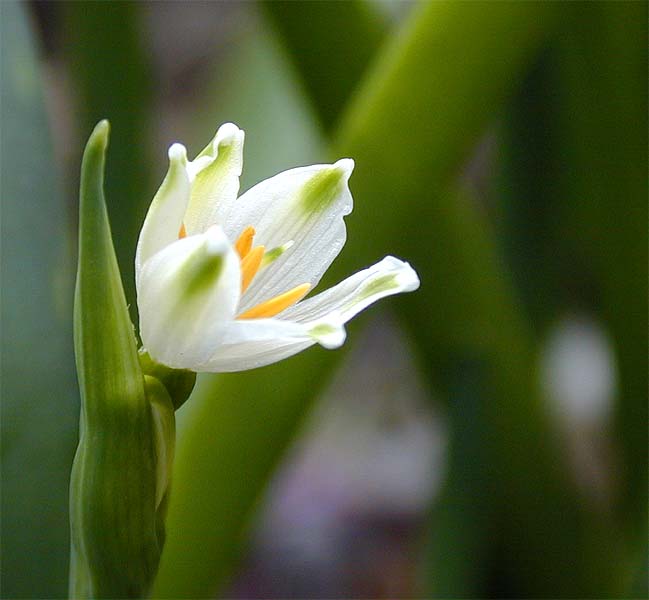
[[40, 406]]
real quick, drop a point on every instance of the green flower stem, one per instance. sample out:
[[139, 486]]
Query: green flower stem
[[115, 546]]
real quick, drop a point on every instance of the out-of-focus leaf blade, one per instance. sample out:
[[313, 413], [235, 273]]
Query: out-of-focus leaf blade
[[233, 431], [530, 504], [284, 133], [466, 308], [425, 102], [604, 122], [331, 43], [527, 198], [112, 80], [39, 400]]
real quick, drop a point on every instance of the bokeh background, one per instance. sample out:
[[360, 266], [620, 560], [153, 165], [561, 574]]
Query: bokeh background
[[483, 437]]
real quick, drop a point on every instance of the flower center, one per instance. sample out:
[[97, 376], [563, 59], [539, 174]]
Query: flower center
[[251, 261]]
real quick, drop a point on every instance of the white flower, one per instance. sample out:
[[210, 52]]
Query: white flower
[[220, 279]]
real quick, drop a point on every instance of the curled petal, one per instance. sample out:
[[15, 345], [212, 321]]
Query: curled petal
[[165, 215], [215, 174], [254, 343], [303, 207], [186, 293], [354, 294]]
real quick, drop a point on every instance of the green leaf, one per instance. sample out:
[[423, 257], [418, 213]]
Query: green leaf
[[445, 91], [603, 89], [541, 238], [425, 101], [39, 401], [115, 545], [111, 75], [331, 44], [232, 434]]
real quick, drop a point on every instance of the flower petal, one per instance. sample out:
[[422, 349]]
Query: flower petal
[[259, 342], [165, 215], [186, 293], [305, 206], [216, 173], [349, 297], [321, 319]]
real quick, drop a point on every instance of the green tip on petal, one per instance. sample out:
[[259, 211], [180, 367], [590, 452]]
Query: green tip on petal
[[177, 166], [227, 136], [325, 186], [201, 272], [385, 283], [328, 335]]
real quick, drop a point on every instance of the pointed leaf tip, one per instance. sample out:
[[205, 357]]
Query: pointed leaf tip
[[100, 134]]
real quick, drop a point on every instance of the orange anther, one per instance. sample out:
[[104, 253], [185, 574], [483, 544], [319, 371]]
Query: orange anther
[[182, 232], [244, 243], [250, 265], [276, 305]]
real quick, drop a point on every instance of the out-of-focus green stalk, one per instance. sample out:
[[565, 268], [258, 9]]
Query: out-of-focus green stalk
[[233, 432], [530, 502], [603, 94], [112, 78], [527, 198], [429, 98], [39, 405], [425, 102], [115, 546], [466, 306], [550, 266], [331, 43]]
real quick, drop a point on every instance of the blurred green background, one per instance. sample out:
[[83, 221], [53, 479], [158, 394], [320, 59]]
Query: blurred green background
[[483, 437]]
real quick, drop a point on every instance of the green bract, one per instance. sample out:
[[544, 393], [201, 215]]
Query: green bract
[[121, 469]]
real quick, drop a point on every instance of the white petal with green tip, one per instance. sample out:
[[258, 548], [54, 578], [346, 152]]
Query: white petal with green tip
[[259, 342], [354, 294], [321, 319], [186, 293], [216, 173], [305, 206], [165, 215], [189, 289]]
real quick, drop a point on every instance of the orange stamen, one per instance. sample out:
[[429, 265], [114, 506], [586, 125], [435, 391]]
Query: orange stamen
[[244, 243], [275, 305], [182, 232], [250, 265]]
